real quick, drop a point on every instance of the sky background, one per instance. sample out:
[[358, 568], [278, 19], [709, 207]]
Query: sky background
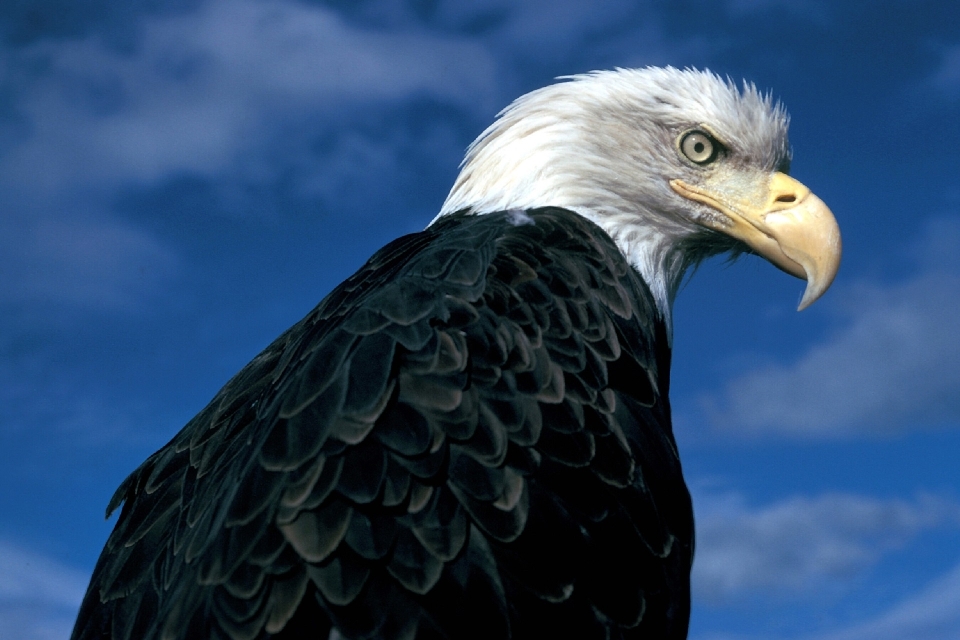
[[181, 180]]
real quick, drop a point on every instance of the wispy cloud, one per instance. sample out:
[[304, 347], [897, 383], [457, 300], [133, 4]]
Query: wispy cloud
[[894, 366], [563, 36], [931, 614], [800, 543], [39, 596], [201, 88], [946, 78], [243, 93], [30, 577], [86, 260]]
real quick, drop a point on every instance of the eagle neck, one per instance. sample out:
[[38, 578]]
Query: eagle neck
[[654, 253]]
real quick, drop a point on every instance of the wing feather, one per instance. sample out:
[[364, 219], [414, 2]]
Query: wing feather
[[468, 436]]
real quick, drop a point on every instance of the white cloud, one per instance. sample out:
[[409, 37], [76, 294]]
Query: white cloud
[[199, 89], [932, 614], [39, 597], [801, 543], [29, 577], [31, 622], [89, 260], [624, 33], [938, 247], [947, 76], [224, 92], [569, 21], [894, 366]]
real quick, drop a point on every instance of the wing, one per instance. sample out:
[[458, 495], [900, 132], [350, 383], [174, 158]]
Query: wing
[[469, 437]]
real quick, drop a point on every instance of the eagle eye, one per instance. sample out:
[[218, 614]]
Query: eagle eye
[[699, 147]]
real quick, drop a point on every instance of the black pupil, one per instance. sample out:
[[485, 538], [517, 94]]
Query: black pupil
[[698, 147]]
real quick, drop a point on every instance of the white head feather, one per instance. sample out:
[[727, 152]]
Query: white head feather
[[604, 146]]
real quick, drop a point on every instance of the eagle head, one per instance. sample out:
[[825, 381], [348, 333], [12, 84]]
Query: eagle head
[[675, 165]]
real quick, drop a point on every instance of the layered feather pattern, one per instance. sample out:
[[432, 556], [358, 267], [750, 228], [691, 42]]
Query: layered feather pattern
[[469, 437]]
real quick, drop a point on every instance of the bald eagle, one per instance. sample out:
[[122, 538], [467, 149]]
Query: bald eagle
[[470, 436]]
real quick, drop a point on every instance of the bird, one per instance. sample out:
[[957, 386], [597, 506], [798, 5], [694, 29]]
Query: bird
[[470, 437]]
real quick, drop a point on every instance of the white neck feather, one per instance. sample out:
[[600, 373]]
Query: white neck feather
[[547, 150], [604, 146]]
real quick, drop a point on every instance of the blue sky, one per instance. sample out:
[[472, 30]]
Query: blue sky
[[181, 180]]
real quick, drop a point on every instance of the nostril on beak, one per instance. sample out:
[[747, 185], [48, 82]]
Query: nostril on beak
[[787, 197]]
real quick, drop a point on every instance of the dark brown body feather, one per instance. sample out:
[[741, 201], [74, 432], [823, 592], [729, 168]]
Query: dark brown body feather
[[470, 437]]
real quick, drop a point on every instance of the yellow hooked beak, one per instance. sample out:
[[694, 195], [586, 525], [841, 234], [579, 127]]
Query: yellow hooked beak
[[782, 221]]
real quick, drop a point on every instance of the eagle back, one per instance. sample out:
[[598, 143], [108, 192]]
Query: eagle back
[[469, 437]]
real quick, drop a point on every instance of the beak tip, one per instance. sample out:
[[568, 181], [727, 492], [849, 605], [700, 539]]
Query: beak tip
[[819, 251], [817, 283]]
